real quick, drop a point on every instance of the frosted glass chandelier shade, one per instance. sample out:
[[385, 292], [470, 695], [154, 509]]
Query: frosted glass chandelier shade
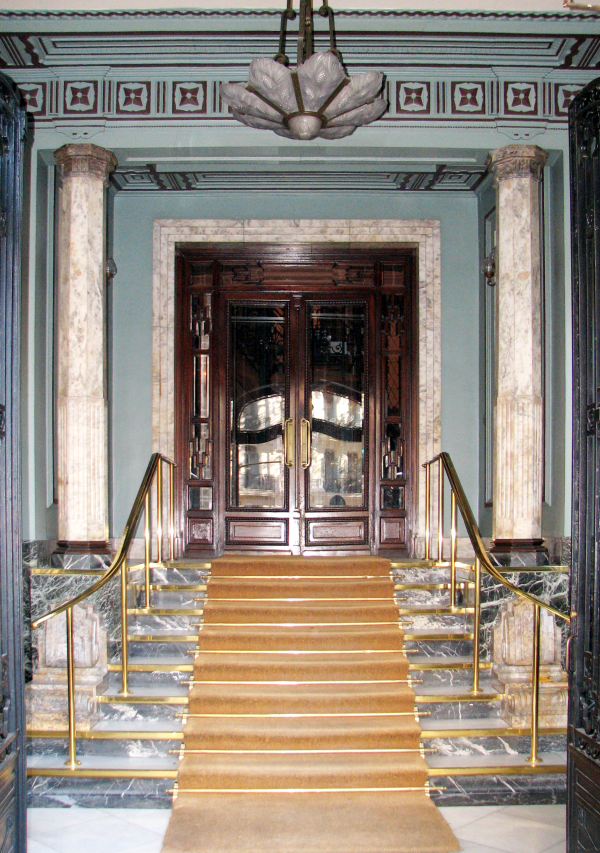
[[315, 100]]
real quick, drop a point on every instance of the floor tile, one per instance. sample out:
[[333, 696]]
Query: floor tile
[[154, 819], [458, 816], [34, 846], [557, 848], [555, 815], [474, 847], [510, 833], [103, 835], [42, 821]]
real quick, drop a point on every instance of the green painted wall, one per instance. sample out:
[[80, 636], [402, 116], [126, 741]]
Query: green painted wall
[[131, 300]]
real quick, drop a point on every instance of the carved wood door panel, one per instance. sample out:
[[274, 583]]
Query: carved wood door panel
[[296, 386], [584, 644]]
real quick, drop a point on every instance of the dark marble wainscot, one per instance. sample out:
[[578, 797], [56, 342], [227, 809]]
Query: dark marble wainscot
[[550, 585], [521, 790], [45, 586], [94, 793]]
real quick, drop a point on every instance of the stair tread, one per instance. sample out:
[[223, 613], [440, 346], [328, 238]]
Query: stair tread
[[320, 823], [305, 770], [495, 760], [107, 762]]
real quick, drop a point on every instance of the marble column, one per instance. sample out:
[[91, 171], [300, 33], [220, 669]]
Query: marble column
[[81, 370], [518, 433]]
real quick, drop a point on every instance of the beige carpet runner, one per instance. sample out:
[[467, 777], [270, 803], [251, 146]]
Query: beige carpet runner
[[301, 735]]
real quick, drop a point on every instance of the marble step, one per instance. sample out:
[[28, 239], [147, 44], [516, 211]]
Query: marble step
[[147, 694], [494, 765], [112, 766], [126, 745], [151, 662], [112, 730]]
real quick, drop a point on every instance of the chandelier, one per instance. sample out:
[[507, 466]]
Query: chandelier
[[315, 99]]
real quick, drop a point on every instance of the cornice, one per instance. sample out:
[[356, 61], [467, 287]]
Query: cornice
[[275, 14]]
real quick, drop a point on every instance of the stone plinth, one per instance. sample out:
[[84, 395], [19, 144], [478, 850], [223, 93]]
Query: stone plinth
[[81, 370], [46, 696], [518, 417], [512, 656]]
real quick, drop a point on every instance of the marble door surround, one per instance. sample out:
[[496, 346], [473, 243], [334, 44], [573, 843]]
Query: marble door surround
[[424, 234], [518, 415], [81, 371]]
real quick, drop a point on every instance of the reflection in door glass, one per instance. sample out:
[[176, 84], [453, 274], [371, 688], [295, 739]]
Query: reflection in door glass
[[257, 405], [337, 393]]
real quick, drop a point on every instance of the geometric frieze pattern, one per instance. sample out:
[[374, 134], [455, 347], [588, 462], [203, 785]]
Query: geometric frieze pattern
[[411, 100], [442, 177]]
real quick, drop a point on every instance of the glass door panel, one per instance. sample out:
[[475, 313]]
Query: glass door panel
[[336, 404], [257, 382]]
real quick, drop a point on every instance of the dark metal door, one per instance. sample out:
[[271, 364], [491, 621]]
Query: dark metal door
[[584, 643], [12, 719]]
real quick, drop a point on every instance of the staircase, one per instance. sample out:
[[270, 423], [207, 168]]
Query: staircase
[[131, 756]]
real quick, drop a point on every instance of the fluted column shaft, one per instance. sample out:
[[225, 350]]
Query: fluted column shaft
[[518, 434], [81, 370]]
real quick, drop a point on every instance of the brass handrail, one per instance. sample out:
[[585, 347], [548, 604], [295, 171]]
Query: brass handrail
[[119, 563], [482, 560]]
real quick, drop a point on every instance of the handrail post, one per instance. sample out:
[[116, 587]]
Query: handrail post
[[124, 648], [476, 626], [453, 540], [72, 762], [440, 510], [427, 511], [171, 511], [535, 687], [147, 554], [159, 512]]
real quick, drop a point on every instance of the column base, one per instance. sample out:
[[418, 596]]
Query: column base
[[519, 552], [81, 555]]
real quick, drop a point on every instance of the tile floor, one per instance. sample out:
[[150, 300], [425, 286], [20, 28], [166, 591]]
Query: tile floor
[[481, 829]]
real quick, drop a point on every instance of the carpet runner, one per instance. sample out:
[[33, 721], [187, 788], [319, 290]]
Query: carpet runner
[[301, 734]]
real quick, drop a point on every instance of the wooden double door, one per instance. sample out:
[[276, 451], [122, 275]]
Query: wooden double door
[[295, 388]]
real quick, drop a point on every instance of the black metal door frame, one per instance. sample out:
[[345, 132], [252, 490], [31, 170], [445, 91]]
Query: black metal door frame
[[583, 654], [12, 712]]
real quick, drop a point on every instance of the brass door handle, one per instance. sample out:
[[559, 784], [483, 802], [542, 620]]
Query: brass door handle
[[304, 443], [288, 442]]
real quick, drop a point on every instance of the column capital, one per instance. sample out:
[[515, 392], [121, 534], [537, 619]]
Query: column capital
[[516, 161], [84, 159]]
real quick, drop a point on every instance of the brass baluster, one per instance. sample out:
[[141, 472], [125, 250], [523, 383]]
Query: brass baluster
[[476, 626], [440, 510], [159, 514], [427, 511], [533, 757], [124, 648], [147, 546], [72, 762], [171, 511], [453, 542]]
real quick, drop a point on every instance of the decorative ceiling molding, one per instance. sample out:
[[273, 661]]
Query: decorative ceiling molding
[[441, 178], [234, 50]]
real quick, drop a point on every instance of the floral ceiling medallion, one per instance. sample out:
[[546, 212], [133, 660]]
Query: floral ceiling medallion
[[316, 99]]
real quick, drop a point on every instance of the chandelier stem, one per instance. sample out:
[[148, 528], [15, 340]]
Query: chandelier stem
[[327, 12], [306, 37], [288, 14]]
